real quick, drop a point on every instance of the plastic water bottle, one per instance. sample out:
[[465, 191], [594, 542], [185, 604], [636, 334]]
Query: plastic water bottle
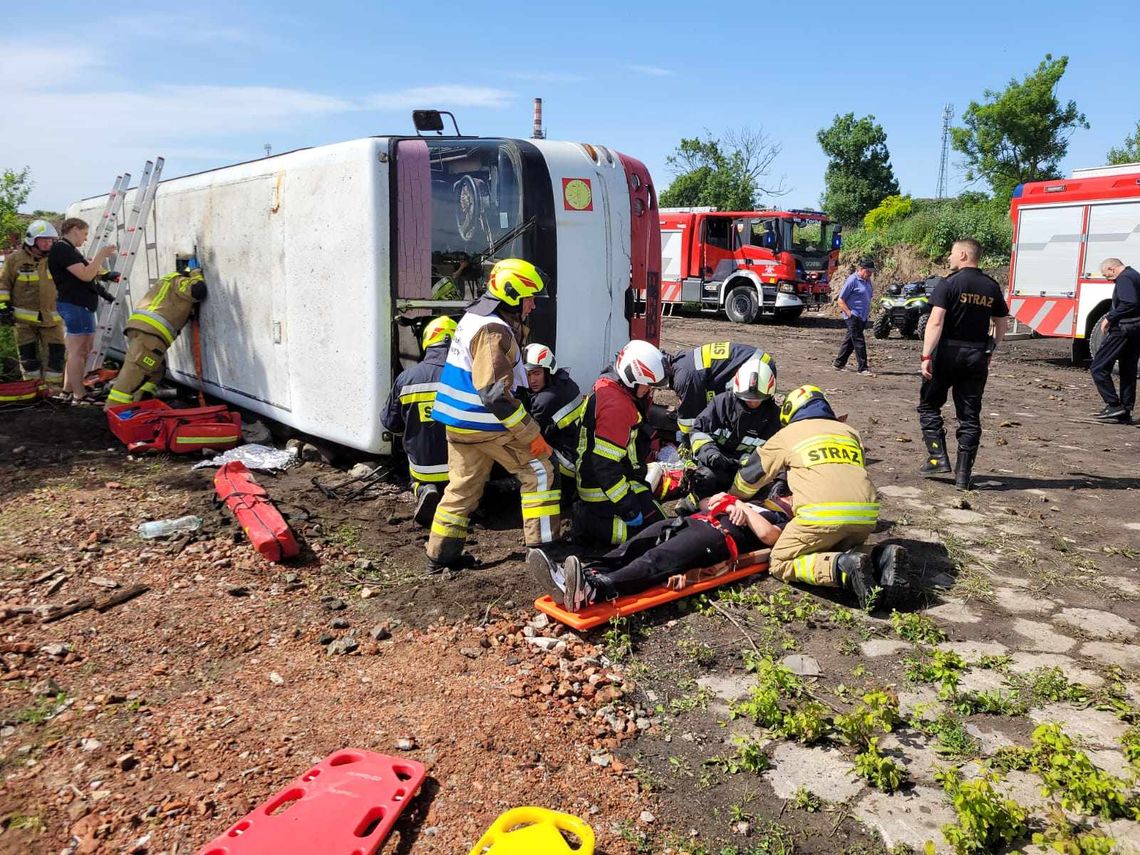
[[165, 528]]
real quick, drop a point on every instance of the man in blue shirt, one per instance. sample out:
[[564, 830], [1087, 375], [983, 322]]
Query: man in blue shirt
[[855, 304]]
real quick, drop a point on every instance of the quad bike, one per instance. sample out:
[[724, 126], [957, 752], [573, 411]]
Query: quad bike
[[905, 307]]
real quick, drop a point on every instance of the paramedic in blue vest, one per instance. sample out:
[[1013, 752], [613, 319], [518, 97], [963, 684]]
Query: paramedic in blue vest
[[557, 405], [408, 415], [486, 424]]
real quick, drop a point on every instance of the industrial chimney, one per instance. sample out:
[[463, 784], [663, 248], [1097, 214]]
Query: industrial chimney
[[538, 133]]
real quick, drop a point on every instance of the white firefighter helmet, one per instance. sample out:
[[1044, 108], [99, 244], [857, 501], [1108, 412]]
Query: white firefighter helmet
[[755, 380], [640, 363], [39, 229], [539, 356]]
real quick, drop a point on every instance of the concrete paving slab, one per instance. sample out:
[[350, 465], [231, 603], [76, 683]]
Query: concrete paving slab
[[727, 687], [990, 738], [1040, 637], [912, 750], [972, 651], [961, 516], [953, 611], [1113, 653], [1098, 728], [911, 818], [823, 771], [1022, 602], [1022, 662], [921, 701], [982, 680], [885, 647], [896, 491], [1096, 623]]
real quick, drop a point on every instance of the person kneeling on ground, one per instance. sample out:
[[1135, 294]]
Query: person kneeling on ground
[[834, 502], [727, 529]]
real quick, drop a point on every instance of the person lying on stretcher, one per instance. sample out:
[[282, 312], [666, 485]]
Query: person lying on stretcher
[[660, 554]]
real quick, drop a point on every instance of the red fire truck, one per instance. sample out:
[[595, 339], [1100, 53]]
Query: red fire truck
[[748, 264], [1062, 231]]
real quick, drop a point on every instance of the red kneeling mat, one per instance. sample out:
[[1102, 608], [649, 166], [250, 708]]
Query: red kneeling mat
[[345, 805], [259, 518]]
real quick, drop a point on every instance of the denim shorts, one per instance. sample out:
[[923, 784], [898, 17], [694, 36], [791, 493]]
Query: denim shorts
[[76, 319]]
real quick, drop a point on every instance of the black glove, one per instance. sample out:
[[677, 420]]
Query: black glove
[[712, 458], [198, 291], [104, 293], [7, 315], [110, 276]]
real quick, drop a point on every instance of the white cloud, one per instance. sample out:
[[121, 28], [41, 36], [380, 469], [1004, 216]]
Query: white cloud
[[444, 95], [651, 70], [38, 67]]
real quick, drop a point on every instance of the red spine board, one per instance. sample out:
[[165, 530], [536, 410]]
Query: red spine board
[[260, 520]]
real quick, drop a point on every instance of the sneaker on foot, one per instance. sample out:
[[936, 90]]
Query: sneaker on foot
[[579, 593], [867, 372], [838, 367], [546, 572], [1112, 414]]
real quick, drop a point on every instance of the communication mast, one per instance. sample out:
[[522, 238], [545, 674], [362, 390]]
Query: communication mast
[[943, 163]]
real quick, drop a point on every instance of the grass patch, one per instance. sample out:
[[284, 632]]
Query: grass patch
[[916, 628]]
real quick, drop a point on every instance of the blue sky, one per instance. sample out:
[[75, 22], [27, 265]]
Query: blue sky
[[213, 85]]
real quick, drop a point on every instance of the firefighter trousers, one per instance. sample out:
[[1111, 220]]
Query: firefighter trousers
[[663, 549], [470, 458], [142, 369], [806, 553], [599, 522], [963, 369], [42, 352]]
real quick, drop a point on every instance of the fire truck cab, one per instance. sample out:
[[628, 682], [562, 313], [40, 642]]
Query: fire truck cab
[[748, 264], [1062, 231]]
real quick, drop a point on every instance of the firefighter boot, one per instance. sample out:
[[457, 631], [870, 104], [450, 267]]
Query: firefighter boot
[[892, 569], [854, 570], [687, 506], [965, 467], [427, 500], [453, 564], [937, 461]]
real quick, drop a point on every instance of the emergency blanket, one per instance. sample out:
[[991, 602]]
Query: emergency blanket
[[259, 518], [254, 456], [22, 392], [680, 585], [153, 426]]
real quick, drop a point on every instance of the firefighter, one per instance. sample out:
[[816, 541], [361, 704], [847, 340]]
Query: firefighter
[[614, 500], [151, 330], [486, 424], [834, 502], [700, 373], [729, 528], [557, 405], [956, 354], [27, 297], [408, 415], [735, 424]]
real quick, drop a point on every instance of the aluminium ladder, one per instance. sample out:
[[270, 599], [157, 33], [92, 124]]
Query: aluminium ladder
[[124, 261]]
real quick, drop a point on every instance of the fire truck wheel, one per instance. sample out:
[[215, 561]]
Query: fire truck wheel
[[741, 305], [1096, 336]]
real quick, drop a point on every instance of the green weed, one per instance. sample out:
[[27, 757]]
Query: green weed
[[805, 800], [879, 771], [987, 821], [916, 628]]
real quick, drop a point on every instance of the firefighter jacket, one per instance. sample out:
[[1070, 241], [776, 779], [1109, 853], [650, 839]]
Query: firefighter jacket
[[609, 465], [476, 389], [825, 469], [27, 286], [168, 305], [409, 414], [727, 431], [558, 409], [699, 374]]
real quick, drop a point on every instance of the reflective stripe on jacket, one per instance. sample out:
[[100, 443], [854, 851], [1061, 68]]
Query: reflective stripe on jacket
[[409, 414], [166, 307], [26, 284]]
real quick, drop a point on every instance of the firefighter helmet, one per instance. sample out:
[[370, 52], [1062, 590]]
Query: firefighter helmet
[[39, 229], [513, 280], [755, 380], [438, 331], [797, 399], [640, 363], [538, 356]]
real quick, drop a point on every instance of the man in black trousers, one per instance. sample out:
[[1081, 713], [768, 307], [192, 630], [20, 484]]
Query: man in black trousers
[[956, 355], [1121, 326], [855, 304]]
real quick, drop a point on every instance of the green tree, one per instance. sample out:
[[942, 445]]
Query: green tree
[[1019, 134], [14, 190], [727, 173], [859, 174], [1129, 152]]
